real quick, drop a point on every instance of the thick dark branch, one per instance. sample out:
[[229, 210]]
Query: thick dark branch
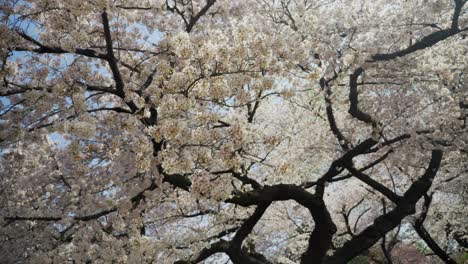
[[110, 56], [425, 209], [233, 248], [320, 239], [424, 43], [247, 227], [424, 234], [349, 175], [456, 14], [354, 110], [377, 161], [390, 220], [344, 143], [422, 185], [388, 142], [429, 40], [432, 244], [240, 256], [280, 192], [246, 180], [241, 177], [374, 184], [338, 165]]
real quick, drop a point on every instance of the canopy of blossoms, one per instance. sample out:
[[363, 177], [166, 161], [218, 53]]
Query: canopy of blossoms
[[217, 131]]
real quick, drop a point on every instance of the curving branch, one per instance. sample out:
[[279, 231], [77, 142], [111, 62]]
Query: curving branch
[[321, 237], [426, 236], [342, 140], [310, 184], [354, 109], [429, 40], [390, 220], [374, 184], [339, 164], [244, 231], [234, 248]]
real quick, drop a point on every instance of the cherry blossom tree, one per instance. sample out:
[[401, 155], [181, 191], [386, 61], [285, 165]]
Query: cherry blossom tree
[[217, 131]]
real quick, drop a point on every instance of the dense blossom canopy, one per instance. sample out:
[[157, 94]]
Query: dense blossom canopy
[[253, 131]]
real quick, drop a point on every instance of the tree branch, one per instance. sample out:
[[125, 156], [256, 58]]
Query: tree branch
[[57, 50], [429, 40], [374, 184], [424, 234], [112, 61], [194, 19], [390, 220], [248, 226]]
